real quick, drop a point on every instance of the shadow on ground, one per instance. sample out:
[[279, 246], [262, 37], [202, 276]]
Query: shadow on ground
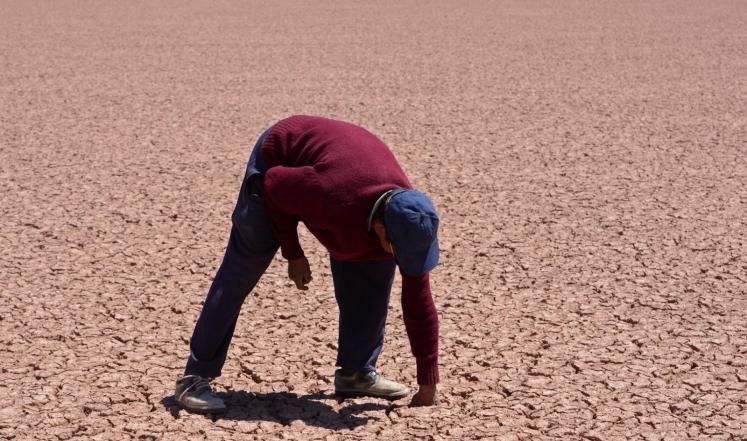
[[285, 407]]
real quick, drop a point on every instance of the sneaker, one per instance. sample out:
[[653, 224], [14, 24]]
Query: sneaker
[[370, 384], [194, 394]]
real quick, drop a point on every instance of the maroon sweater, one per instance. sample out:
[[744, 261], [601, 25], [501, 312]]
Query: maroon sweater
[[328, 174]]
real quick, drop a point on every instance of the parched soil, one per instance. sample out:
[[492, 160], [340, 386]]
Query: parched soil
[[588, 160]]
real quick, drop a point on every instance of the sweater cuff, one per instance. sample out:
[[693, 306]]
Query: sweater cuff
[[427, 370], [291, 249]]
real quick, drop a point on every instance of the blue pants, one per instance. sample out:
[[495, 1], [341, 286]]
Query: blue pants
[[362, 289]]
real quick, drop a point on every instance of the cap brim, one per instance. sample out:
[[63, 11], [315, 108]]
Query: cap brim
[[420, 262]]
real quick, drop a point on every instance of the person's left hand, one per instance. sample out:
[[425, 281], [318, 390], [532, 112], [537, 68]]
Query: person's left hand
[[299, 272], [426, 396]]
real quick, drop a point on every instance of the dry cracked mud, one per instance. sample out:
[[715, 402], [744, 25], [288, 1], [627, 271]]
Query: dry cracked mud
[[588, 160]]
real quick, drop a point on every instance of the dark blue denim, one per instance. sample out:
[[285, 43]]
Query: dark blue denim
[[362, 289]]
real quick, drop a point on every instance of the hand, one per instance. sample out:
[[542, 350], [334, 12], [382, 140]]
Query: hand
[[299, 272], [426, 396]]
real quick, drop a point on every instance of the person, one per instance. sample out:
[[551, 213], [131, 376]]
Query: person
[[347, 187]]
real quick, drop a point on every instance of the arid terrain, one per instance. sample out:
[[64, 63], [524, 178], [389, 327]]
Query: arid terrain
[[588, 160]]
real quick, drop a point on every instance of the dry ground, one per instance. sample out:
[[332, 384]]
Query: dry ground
[[587, 159]]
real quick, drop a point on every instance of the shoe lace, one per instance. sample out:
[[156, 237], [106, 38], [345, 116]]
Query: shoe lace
[[374, 377], [201, 384], [198, 386]]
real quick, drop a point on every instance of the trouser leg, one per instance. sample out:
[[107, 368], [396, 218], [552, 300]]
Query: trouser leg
[[362, 290], [250, 250], [212, 335]]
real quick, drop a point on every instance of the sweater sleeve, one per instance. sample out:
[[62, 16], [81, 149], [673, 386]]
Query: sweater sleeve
[[421, 323], [290, 194]]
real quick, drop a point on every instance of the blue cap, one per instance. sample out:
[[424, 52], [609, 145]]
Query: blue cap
[[412, 227]]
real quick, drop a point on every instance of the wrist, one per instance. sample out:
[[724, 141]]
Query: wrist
[[291, 249], [427, 370]]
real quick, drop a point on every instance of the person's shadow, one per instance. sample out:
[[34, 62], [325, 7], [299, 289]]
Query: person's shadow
[[286, 407]]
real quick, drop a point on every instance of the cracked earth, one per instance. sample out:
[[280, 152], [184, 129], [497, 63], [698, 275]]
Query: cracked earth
[[588, 160]]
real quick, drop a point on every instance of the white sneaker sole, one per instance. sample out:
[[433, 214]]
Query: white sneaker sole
[[202, 410]]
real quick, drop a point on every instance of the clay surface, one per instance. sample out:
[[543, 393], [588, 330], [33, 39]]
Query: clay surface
[[588, 160]]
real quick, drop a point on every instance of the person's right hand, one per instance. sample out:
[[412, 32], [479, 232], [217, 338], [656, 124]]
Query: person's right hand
[[299, 272], [426, 396]]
